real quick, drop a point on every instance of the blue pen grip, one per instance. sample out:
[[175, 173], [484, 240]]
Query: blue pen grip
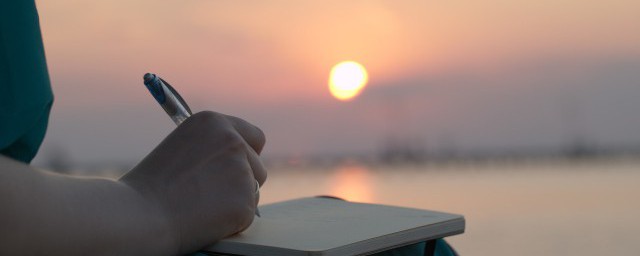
[[153, 84]]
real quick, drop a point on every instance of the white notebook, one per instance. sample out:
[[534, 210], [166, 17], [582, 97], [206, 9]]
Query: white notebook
[[323, 226]]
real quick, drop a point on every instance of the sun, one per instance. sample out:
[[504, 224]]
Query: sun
[[347, 79]]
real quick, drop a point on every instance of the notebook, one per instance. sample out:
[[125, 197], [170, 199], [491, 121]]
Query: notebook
[[325, 226]]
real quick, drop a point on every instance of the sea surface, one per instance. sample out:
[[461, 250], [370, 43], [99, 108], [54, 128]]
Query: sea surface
[[551, 207], [559, 207]]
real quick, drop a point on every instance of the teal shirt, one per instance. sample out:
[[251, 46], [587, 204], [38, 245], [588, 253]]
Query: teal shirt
[[25, 92]]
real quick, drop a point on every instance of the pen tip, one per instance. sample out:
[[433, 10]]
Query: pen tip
[[148, 77]]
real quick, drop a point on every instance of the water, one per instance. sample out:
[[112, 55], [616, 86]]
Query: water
[[588, 207]]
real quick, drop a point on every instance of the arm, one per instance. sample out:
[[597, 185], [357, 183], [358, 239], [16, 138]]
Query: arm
[[196, 187], [45, 213]]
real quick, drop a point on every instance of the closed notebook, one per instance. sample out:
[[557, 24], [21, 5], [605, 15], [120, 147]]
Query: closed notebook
[[324, 226]]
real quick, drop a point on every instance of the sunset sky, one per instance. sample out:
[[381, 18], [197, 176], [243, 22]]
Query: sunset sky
[[469, 75]]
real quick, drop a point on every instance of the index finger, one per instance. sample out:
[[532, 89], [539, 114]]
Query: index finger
[[251, 133]]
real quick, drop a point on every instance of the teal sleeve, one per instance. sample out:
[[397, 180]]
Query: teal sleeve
[[25, 92]]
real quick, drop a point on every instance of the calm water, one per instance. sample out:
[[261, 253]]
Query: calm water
[[553, 208]]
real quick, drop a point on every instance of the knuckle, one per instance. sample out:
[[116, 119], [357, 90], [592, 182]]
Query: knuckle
[[209, 114], [207, 117], [232, 141], [255, 133], [260, 137], [211, 117]]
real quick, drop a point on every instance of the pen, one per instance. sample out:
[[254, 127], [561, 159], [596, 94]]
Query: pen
[[175, 106], [169, 99]]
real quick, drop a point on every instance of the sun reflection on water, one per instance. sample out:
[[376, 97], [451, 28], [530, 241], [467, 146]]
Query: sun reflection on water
[[353, 183]]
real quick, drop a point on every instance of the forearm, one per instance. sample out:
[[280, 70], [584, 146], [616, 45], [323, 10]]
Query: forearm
[[46, 213]]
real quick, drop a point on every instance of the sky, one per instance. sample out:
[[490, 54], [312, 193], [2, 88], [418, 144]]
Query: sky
[[467, 75]]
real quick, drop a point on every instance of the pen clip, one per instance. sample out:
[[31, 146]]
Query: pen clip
[[175, 93]]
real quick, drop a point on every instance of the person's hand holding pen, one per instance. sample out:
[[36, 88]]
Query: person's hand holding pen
[[203, 177]]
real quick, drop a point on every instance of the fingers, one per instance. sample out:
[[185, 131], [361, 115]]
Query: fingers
[[255, 139], [259, 172], [251, 134]]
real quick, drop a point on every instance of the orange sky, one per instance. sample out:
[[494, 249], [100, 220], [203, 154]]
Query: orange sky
[[281, 42], [245, 56]]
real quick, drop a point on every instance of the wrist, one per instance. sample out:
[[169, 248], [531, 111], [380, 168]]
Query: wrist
[[157, 221]]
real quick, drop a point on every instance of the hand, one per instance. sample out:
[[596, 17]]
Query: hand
[[203, 176]]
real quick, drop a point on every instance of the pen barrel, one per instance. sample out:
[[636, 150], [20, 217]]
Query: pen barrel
[[174, 109]]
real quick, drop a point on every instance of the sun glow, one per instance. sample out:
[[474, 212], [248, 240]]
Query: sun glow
[[347, 79], [353, 183]]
